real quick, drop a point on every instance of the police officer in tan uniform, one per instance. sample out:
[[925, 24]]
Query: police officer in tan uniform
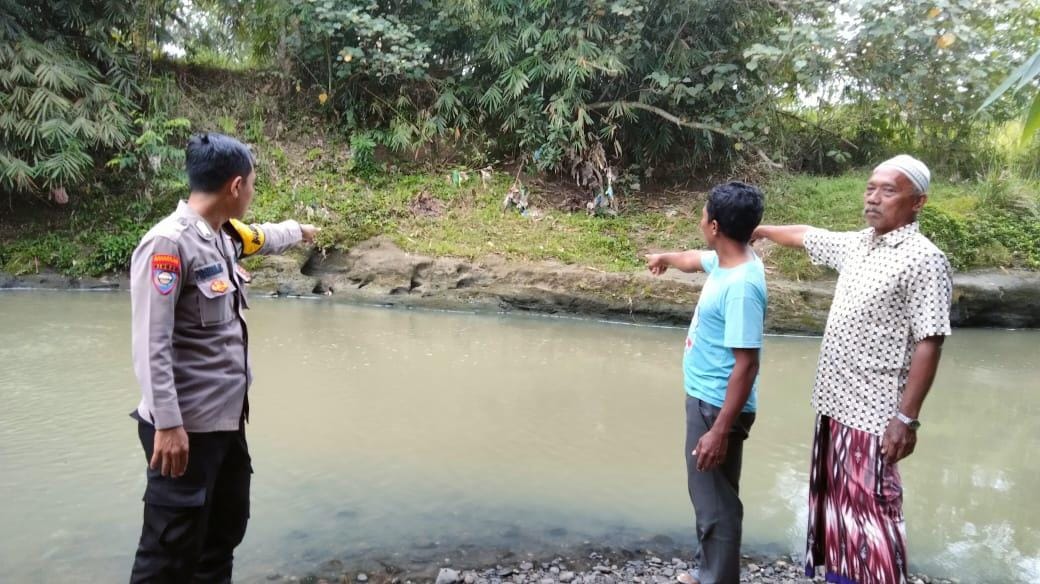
[[191, 358]]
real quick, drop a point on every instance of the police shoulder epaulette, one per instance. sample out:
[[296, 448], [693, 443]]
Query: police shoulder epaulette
[[170, 228]]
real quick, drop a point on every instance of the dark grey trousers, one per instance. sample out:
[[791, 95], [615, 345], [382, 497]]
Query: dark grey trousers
[[714, 495]]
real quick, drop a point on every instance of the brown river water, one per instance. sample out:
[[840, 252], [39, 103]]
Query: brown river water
[[383, 433]]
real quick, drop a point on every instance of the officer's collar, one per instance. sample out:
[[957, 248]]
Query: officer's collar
[[196, 220]]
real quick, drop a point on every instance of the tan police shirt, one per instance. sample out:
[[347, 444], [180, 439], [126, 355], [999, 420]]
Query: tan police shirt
[[189, 334], [892, 292]]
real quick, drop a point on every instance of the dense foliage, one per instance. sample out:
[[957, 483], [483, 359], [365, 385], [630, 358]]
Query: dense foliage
[[905, 75], [580, 86], [815, 85], [67, 85], [1024, 76]]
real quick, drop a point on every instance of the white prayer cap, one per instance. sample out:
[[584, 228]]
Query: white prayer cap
[[912, 168]]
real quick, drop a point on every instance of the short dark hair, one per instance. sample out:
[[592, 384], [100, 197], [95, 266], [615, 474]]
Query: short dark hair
[[214, 159], [738, 208]]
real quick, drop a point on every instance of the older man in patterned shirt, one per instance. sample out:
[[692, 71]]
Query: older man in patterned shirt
[[880, 351]]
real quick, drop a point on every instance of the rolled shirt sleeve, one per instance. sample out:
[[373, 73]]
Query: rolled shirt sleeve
[[929, 294], [156, 278], [829, 248]]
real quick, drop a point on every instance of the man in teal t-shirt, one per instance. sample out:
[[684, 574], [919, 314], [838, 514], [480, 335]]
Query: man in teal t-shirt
[[720, 370]]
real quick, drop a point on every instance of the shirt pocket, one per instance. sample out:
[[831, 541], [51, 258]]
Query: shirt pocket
[[216, 299]]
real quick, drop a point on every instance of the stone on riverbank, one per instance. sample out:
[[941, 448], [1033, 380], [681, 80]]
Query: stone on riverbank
[[447, 576], [377, 271], [611, 567]]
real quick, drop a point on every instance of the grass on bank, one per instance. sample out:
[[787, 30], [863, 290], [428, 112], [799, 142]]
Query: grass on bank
[[470, 222], [991, 223]]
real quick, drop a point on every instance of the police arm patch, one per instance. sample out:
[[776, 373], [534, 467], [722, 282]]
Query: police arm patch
[[251, 236], [166, 270]]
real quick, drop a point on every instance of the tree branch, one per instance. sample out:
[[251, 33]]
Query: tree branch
[[680, 122], [675, 39], [817, 126]]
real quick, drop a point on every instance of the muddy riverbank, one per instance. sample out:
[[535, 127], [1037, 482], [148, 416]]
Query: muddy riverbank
[[378, 272]]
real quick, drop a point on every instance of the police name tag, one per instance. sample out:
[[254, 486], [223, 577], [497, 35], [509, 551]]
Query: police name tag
[[206, 272]]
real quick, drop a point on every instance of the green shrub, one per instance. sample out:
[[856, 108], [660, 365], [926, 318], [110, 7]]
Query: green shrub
[[112, 252], [993, 237], [950, 234], [363, 154], [47, 251]]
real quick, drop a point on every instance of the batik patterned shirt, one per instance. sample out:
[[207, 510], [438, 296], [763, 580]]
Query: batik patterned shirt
[[892, 292]]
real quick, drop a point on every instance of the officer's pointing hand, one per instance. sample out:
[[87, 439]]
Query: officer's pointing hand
[[170, 453]]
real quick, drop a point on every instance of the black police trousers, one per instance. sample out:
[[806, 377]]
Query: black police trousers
[[193, 523]]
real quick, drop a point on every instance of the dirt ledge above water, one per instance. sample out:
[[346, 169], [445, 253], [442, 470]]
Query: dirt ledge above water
[[378, 272]]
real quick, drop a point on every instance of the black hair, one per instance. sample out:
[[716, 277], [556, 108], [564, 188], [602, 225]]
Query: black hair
[[214, 159], [738, 208]]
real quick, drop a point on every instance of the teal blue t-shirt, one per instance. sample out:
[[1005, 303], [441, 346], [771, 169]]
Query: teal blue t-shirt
[[730, 315]]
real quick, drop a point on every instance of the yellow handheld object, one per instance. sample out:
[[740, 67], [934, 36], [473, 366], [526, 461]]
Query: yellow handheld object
[[251, 236]]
